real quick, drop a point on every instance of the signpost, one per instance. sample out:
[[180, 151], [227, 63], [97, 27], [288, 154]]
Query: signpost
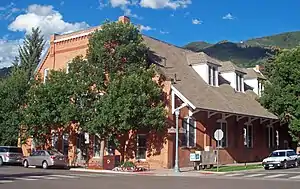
[[218, 135]]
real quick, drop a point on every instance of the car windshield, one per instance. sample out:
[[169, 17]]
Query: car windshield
[[53, 153], [277, 154]]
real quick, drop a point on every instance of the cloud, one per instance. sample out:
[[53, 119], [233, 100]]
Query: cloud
[[46, 18], [8, 51], [119, 3], [159, 4], [163, 32], [196, 21], [62, 3], [7, 11], [145, 28], [228, 17]]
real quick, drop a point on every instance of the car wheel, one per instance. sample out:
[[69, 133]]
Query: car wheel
[[285, 165], [45, 165], [1, 161], [296, 164], [25, 164], [266, 168]]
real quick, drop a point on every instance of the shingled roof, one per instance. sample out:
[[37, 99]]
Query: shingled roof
[[229, 66], [174, 60], [252, 74]]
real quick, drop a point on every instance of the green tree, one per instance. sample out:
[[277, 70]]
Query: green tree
[[31, 50], [13, 89], [12, 98], [281, 93], [130, 99]]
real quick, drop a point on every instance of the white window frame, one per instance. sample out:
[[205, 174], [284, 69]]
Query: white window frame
[[220, 125], [212, 75], [271, 136], [277, 139], [247, 143], [68, 67], [46, 74], [137, 147], [187, 133], [65, 136], [260, 87], [239, 82]]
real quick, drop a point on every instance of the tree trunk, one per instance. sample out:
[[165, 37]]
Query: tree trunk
[[102, 146]]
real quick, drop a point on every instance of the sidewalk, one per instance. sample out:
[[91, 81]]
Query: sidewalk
[[185, 171]]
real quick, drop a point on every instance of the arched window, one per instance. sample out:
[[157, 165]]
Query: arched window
[[270, 136], [222, 124]]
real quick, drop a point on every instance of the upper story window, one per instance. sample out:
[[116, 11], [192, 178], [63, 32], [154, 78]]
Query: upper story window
[[46, 74], [239, 82], [260, 87], [212, 75]]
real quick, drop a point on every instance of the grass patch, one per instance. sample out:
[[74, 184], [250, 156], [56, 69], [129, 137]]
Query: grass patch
[[236, 168]]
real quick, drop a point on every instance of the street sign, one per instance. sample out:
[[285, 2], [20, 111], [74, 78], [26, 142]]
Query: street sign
[[218, 135]]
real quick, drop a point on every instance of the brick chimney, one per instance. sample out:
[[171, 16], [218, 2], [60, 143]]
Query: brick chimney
[[124, 19]]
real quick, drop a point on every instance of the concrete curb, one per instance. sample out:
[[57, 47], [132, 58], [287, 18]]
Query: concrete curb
[[239, 171], [108, 171]]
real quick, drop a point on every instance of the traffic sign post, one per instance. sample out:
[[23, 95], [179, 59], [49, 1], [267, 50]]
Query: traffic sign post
[[218, 135]]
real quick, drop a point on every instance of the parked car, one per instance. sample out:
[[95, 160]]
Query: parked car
[[281, 159], [45, 159], [11, 155]]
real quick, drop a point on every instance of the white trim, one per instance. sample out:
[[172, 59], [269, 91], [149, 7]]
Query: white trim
[[73, 36], [68, 67], [262, 120], [182, 97], [46, 70], [246, 135], [188, 131], [210, 114], [238, 118], [225, 116], [173, 101]]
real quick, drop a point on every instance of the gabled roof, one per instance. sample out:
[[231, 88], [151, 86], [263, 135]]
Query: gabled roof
[[172, 60], [229, 66], [252, 74], [201, 58]]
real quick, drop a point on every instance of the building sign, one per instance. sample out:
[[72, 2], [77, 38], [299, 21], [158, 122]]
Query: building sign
[[195, 156]]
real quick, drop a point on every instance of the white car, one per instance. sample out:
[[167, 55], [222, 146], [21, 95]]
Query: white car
[[281, 159]]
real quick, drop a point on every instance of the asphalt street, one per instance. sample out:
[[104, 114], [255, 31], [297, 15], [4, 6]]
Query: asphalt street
[[35, 178]]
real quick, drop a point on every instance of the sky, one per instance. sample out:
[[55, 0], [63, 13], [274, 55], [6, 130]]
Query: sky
[[175, 21]]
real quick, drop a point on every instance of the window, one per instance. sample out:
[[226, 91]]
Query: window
[[46, 74], [222, 124], [96, 146], [248, 135], [260, 87], [277, 139], [141, 146], [239, 82], [189, 137], [291, 153], [65, 144], [270, 137], [68, 68], [54, 140], [212, 75], [110, 146]]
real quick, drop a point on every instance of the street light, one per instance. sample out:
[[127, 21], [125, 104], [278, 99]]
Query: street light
[[176, 168]]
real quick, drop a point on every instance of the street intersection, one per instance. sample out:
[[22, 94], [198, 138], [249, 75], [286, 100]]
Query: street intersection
[[14, 177]]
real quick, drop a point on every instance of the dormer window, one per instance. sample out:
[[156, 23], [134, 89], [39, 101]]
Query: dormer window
[[260, 87], [239, 81], [212, 75]]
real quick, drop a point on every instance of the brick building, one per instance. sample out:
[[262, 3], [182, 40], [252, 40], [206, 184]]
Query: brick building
[[216, 95]]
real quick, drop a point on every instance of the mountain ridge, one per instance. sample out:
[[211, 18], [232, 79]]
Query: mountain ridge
[[250, 52]]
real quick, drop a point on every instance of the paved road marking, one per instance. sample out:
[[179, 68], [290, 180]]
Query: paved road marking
[[92, 175], [19, 178], [37, 176], [63, 176], [295, 177], [234, 174], [255, 175], [5, 181], [274, 176]]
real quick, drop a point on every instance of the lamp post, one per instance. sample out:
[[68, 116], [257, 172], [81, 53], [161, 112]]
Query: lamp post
[[176, 168]]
